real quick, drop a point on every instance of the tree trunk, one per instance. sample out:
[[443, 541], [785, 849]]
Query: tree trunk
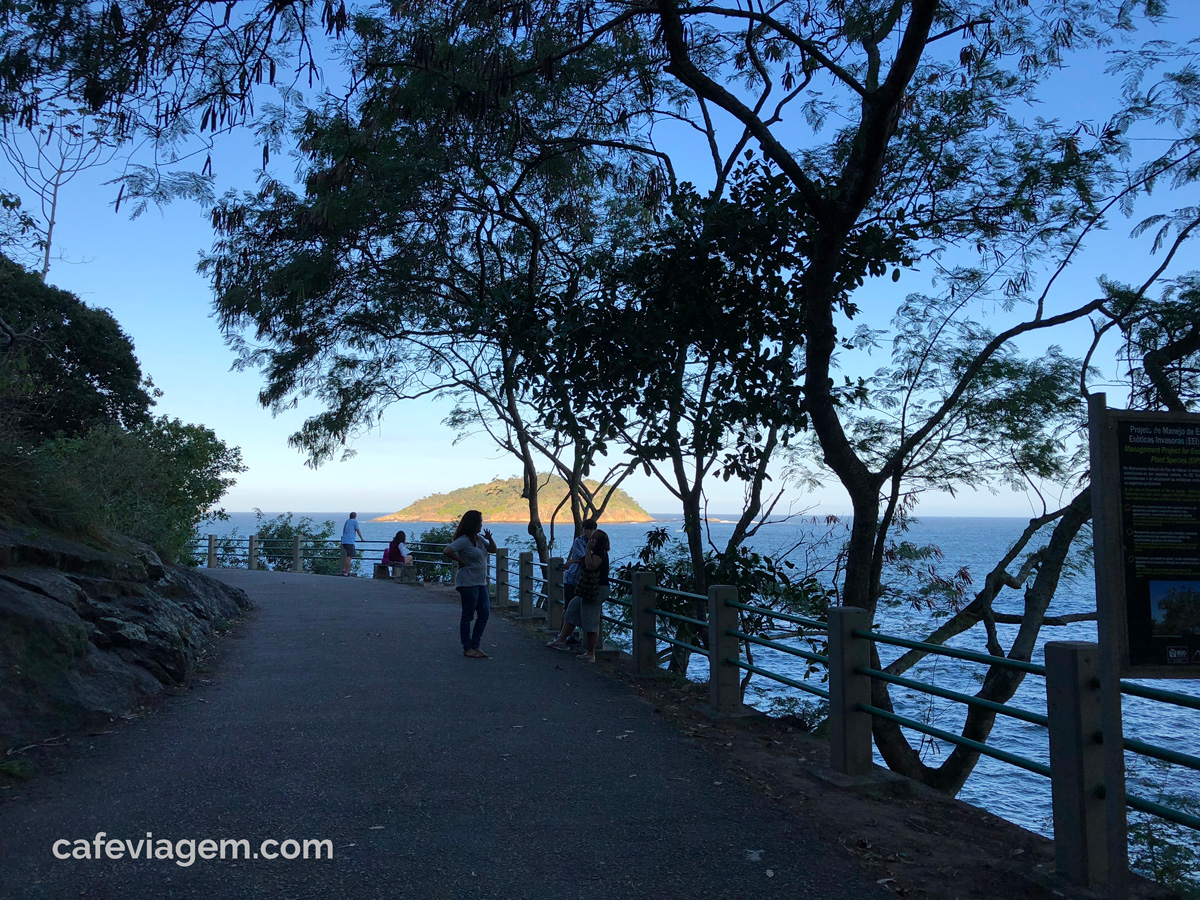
[[999, 684]]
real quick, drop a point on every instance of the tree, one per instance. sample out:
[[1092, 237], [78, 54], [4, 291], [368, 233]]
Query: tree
[[69, 367], [46, 159], [436, 233], [144, 66]]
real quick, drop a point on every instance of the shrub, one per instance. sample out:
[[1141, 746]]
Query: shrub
[[155, 483], [430, 543], [319, 552]]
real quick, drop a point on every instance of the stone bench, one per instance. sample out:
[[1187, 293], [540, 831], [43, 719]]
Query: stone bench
[[402, 574]]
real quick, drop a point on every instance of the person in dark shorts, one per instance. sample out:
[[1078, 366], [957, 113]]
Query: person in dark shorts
[[572, 569], [586, 606], [349, 530]]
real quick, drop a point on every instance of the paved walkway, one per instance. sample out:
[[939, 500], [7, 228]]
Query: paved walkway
[[344, 710]]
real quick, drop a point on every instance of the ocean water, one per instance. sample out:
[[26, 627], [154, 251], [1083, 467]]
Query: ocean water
[[973, 544]]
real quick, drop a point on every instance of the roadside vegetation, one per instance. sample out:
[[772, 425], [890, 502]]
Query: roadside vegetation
[[81, 452]]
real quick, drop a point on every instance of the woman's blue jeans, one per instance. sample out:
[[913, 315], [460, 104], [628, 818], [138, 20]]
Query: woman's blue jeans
[[475, 606]]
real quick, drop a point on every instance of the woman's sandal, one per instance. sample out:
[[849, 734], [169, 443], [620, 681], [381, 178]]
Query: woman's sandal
[[556, 645], [586, 658], [475, 654]]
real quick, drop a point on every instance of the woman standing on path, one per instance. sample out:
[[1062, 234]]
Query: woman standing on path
[[470, 550]]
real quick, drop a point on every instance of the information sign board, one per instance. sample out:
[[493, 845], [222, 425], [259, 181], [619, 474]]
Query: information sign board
[[1146, 498]]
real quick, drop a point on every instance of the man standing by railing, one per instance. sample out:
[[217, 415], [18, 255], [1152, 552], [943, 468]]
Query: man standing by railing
[[349, 530]]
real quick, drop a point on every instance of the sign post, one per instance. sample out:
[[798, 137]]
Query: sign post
[[1146, 499], [1146, 540]]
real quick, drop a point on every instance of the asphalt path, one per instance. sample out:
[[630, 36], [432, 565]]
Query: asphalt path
[[343, 710]]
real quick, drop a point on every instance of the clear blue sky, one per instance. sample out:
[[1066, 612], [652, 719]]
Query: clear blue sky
[[143, 271]]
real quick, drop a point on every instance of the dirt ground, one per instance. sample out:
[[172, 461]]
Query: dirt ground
[[914, 841]]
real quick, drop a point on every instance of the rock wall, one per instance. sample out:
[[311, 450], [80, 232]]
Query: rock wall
[[88, 634]]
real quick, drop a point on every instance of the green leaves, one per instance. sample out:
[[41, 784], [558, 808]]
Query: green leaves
[[78, 367]]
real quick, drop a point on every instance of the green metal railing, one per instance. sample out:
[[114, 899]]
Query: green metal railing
[[1143, 748]]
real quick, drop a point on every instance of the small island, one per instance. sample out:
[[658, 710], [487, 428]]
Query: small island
[[501, 501]]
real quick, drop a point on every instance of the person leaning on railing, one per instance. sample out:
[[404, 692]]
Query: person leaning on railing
[[349, 530], [574, 568], [586, 606]]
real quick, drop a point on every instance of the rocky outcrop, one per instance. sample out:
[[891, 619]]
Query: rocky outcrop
[[89, 634]]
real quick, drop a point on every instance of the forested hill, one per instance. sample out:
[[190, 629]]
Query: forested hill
[[501, 501]]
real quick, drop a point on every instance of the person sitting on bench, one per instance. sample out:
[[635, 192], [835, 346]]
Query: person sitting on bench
[[396, 553]]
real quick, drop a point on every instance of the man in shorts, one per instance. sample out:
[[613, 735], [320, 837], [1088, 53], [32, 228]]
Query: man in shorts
[[349, 530]]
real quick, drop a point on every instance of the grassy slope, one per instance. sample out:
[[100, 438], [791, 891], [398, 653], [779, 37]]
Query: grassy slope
[[501, 501]]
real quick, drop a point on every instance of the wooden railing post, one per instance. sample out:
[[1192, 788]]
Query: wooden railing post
[[252, 561], [502, 578], [1073, 699], [724, 678], [554, 593], [297, 563], [525, 584], [212, 551], [645, 645], [849, 726]]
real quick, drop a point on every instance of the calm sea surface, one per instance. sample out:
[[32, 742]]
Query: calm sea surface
[[974, 543]]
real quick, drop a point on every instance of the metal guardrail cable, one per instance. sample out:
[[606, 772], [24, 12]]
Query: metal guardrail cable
[[1002, 709], [937, 649], [774, 676], [671, 592], [684, 644], [1011, 758], [787, 617], [1172, 756], [616, 622], [1149, 693], [783, 648], [679, 616], [1141, 804], [622, 582], [620, 601]]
